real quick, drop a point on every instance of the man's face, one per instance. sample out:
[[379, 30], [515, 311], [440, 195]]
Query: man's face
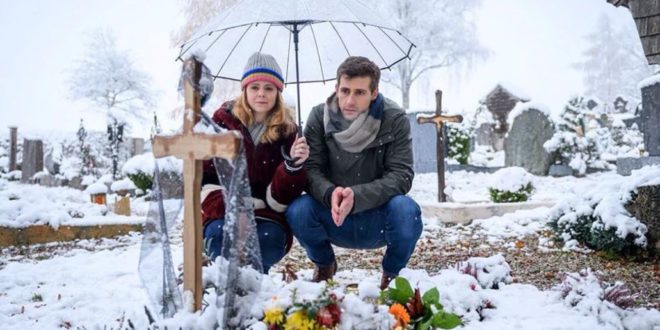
[[354, 96]]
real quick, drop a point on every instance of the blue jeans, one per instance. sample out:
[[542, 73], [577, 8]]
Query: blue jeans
[[272, 241], [397, 224]]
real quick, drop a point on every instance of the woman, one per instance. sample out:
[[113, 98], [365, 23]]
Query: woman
[[267, 125]]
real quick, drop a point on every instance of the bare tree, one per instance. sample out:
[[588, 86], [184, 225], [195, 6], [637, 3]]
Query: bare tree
[[614, 62], [107, 77], [443, 33]]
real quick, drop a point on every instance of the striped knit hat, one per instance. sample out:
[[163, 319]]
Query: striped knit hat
[[262, 67]]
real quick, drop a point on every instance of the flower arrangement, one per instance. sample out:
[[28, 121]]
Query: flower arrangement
[[412, 310], [321, 313]]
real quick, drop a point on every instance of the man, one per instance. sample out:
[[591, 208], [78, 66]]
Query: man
[[359, 170]]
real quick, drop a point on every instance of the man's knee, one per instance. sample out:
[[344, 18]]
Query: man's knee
[[405, 217]]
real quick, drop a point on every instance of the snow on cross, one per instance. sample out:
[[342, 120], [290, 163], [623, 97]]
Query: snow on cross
[[193, 148]]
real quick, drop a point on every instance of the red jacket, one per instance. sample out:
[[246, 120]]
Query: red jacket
[[273, 187]]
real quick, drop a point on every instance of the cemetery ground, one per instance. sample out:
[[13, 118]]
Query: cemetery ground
[[89, 283]]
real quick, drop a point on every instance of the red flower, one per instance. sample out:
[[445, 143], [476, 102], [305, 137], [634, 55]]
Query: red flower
[[328, 316]]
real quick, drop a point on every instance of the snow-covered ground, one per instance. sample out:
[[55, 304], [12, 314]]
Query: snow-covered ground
[[95, 283]]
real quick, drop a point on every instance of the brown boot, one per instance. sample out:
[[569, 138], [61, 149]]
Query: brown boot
[[324, 273], [385, 281]]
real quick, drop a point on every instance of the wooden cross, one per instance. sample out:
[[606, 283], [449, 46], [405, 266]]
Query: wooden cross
[[193, 148], [439, 120]]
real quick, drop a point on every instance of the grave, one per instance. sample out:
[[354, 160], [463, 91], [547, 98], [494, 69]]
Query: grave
[[524, 144]]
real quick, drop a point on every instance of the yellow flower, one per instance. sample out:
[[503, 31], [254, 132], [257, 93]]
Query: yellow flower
[[300, 321], [400, 314], [274, 316]]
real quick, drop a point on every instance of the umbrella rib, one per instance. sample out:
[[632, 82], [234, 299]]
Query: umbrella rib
[[216, 40], [317, 52], [394, 42], [371, 43], [233, 49], [340, 38], [265, 36]]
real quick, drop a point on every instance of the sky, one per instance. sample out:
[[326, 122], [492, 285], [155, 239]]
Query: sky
[[532, 45]]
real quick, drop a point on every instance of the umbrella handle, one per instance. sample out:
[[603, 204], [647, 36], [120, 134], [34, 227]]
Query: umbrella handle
[[285, 154]]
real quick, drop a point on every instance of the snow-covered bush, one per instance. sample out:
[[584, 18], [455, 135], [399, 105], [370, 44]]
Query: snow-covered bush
[[511, 184], [459, 143], [598, 218], [140, 169], [576, 143], [610, 304], [490, 272]]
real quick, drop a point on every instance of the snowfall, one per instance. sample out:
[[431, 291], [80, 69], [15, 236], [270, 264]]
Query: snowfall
[[95, 284]]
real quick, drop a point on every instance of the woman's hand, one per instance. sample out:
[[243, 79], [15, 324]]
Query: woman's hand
[[299, 150]]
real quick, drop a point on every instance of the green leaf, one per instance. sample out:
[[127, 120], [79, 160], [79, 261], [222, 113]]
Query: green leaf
[[445, 320], [399, 296], [403, 285], [431, 297], [424, 325]]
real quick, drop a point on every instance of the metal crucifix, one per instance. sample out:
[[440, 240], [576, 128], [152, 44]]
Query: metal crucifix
[[193, 148], [439, 120]]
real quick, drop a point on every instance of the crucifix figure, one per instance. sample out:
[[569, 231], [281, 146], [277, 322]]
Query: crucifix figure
[[193, 148], [439, 120]]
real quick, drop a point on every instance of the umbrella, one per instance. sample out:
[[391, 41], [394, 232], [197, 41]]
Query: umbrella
[[308, 38]]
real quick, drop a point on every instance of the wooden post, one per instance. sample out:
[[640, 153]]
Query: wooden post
[[439, 121], [193, 148], [13, 149]]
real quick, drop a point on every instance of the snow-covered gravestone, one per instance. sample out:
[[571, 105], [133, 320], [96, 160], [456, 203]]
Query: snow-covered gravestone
[[13, 150], [193, 148], [649, 125], [33, 159], [523, 145], [650, 117]]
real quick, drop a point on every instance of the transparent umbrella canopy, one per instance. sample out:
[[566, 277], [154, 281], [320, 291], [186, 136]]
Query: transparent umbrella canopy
[[308, 38]]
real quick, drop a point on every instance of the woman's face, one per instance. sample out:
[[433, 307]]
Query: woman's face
[[261, 97]]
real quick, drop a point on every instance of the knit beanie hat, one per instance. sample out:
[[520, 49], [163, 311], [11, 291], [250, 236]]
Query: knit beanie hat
[[262, 67]]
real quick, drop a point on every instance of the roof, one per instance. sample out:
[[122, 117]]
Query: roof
[[647, 18]]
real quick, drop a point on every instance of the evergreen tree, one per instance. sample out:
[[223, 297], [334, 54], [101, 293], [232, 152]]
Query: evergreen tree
[[572, 117], [86, 160]]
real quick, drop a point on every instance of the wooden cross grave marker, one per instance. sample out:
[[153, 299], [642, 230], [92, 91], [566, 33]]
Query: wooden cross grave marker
[[193, 148], [439, 120]]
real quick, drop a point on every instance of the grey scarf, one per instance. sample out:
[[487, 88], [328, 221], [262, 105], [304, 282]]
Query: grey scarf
[[353, 136]]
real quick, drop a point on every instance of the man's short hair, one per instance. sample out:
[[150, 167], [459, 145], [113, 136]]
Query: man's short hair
[[358, 66]]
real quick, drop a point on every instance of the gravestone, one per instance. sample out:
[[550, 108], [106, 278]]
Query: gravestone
[[13, 135], [137, 146], [485, 135], [650, 118], [423, 137], [649, 125], [33, 159], [523, 145]]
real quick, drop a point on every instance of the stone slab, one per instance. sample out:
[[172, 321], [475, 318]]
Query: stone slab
[[459, 213], [625, 166], [38, 234]]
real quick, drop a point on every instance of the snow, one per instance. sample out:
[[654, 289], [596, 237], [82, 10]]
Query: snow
[[24, 205], [522, 107], [124, 184], [145, 164], [110, 267], [606, 199], [97, 188], [650, 81], [510, 179]]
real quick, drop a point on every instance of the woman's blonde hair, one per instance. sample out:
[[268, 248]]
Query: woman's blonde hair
[[279, 121]]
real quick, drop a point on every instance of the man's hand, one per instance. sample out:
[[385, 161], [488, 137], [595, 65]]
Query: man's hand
[[342, 204]]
